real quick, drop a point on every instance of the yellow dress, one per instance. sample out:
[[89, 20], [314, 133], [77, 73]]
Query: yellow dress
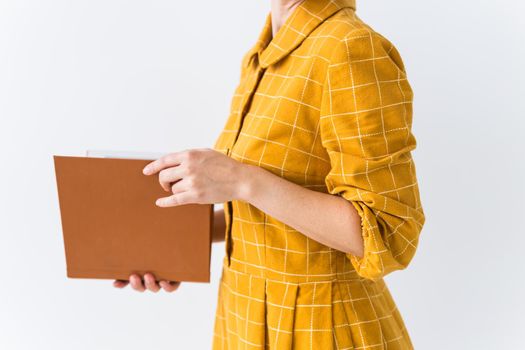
[[325, 104]]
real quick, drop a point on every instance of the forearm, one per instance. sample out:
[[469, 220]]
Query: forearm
[[328, 219], [219, 226]]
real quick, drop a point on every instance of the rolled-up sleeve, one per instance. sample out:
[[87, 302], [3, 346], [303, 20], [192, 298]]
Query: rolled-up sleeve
[[365, 127]]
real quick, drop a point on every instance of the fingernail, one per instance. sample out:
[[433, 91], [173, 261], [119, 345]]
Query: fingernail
[[145, 170], [158, 202]]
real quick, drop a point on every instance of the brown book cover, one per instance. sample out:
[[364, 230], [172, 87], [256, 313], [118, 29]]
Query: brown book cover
[[112, 227]]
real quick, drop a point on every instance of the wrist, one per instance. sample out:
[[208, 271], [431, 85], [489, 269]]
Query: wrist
[[246, 179]]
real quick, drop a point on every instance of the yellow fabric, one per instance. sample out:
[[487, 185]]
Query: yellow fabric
[[325, 104]]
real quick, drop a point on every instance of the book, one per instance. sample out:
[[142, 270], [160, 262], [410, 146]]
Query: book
[[111, 226], [123, 154]]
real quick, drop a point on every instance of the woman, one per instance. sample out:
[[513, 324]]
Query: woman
[[320, 194]]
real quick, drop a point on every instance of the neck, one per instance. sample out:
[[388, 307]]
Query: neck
[[281, 10]]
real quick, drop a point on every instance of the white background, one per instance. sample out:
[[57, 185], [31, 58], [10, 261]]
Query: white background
[[158, 76]]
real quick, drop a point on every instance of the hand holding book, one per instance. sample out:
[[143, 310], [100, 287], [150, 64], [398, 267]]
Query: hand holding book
[[149, 283], [201, 176]]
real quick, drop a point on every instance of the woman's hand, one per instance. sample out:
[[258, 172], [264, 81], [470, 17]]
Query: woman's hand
[[202, 176], [149, 283]]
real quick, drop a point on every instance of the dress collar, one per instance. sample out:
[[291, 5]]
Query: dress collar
[[303, 20]]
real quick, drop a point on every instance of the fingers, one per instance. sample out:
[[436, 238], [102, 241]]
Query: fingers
[[120, 283], [149, 283], [178, 199], [136, 283], [169, 286], [169, 175], [166, 161]]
